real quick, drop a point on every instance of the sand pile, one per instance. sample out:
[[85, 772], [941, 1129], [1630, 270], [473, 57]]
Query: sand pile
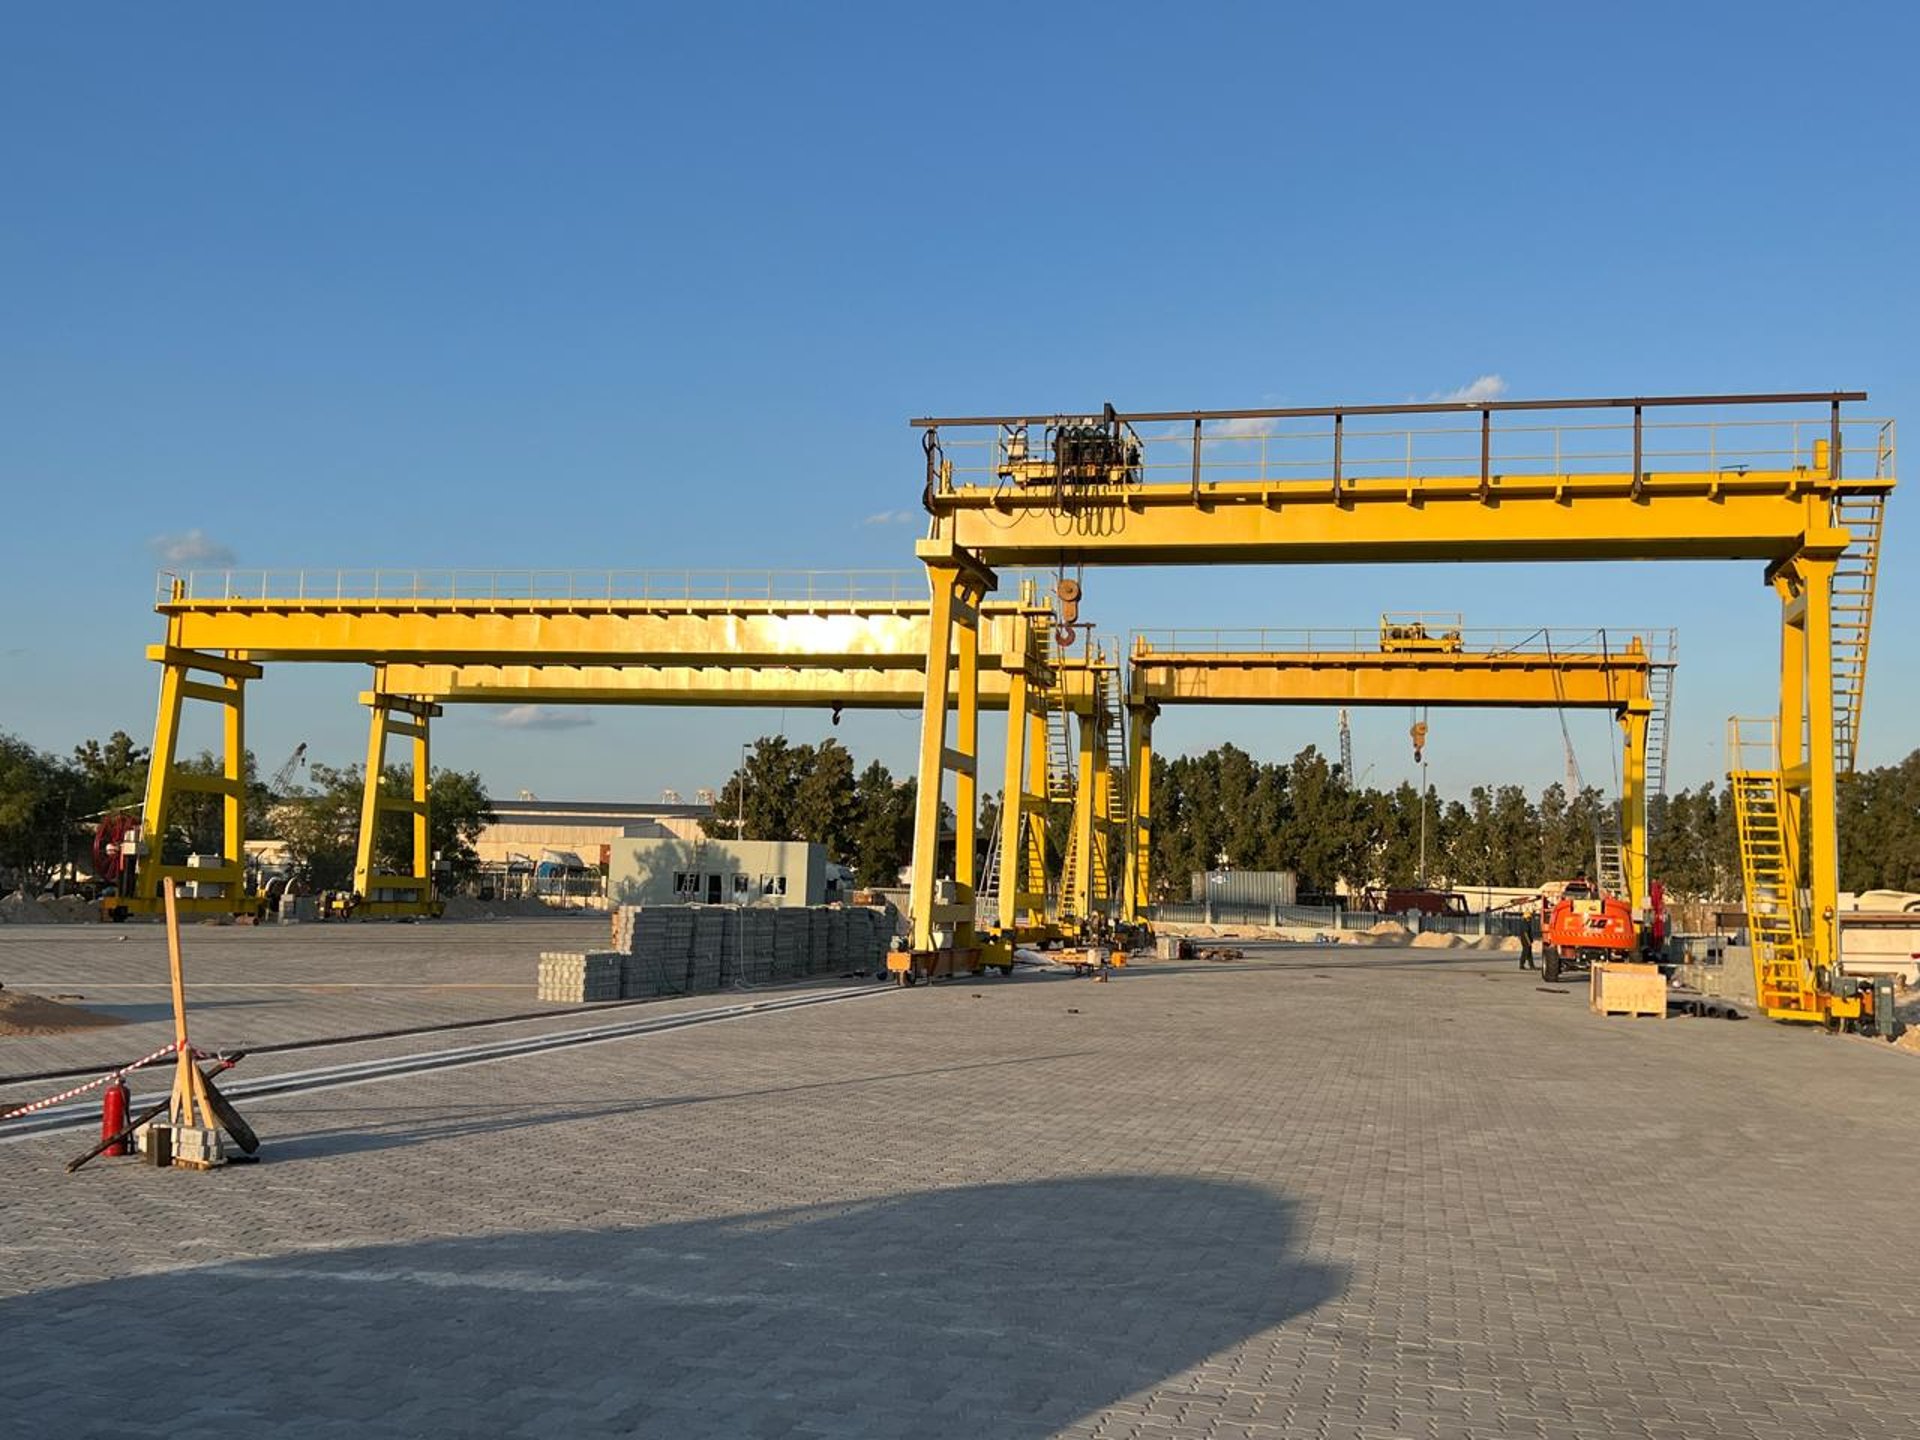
[[1434, 940], [20, 909], [1387, 927], [24, 1014]]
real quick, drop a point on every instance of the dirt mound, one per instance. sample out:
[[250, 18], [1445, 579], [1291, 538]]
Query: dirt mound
[[1387, 927], [19, 909], [24, 1014], [1434, 940]]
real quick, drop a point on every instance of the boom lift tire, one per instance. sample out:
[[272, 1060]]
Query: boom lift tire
[[1550, 964]]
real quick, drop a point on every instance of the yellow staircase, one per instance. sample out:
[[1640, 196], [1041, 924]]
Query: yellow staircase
[[1770, 870], [1854, 579]]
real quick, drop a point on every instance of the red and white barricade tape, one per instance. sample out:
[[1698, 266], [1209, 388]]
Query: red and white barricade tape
[[106, 1079]]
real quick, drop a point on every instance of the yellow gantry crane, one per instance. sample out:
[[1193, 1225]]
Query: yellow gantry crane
[[793, 639], [1411, 661], [1786, 480]]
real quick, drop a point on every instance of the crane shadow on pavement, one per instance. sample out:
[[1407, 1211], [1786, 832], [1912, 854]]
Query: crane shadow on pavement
[[1010, 1310]]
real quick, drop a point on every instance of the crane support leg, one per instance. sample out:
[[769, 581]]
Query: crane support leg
[[1077, 899], [1139, 840], [959, 585], [1014, 804], [1106, 889], [1822, 817], [1034, 899], [1633, 805], [396, 717], [218, 889]]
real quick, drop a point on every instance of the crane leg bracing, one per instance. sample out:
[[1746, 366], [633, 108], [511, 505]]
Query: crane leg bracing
[[1787, 480]]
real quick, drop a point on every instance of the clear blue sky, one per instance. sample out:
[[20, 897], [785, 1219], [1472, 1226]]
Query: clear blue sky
[[620, 286]]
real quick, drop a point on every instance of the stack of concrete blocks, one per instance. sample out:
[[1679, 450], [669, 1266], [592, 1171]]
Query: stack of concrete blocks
[[676, 945], [818, 941], [835, 961], [645, 966], [868, 932], [574, 978], [792, 935], [703, 955], [682, 950], [756, 945], [625, 919]]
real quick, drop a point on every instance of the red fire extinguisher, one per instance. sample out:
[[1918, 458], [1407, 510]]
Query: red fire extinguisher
[[113, 1116]]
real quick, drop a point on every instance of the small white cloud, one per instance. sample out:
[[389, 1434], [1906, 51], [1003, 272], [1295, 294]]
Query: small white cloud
[[894, 517], [191, 548], [541, 717], [1248, 428], [1480, 388]]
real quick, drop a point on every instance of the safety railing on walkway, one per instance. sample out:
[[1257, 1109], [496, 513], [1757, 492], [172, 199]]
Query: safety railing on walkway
[[637, 586], [1661, 643], [1716, 435]]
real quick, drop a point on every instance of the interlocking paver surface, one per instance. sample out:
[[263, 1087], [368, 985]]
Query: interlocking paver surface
[[1322, 1194]]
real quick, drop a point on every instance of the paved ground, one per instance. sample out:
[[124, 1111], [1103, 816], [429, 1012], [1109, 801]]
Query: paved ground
[[1330, 1194], [260, 986]]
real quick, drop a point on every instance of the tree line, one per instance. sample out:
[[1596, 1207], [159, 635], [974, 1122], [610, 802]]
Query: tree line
[[51, 807], [1225, 809], [1220, 809]]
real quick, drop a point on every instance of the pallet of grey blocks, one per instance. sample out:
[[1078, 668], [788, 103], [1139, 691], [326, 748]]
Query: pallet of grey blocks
[[684, 949], [574, 978]]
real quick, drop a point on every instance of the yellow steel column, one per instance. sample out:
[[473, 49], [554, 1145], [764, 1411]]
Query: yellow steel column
[[1100, 876], [945, 581], [959, 584], [1140, 842], [1791, 760], [422, 814], [234, 802], [159, 796], [1633, 803], [966, 747], [1013, 808], [1821, 816], [370, 798], [1038, 809], [1078, 903]]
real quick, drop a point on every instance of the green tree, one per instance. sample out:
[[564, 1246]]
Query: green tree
[[759, 799], [825, 811], [883, 830], [37, 795], [114, 769]]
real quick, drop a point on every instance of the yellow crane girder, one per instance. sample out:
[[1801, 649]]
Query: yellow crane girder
[[570, 632], [1609, 682], [735, 686]]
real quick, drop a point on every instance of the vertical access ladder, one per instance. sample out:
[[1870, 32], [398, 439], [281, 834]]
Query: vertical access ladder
[[1769, 867], [1660, 717], [1110, 798]]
